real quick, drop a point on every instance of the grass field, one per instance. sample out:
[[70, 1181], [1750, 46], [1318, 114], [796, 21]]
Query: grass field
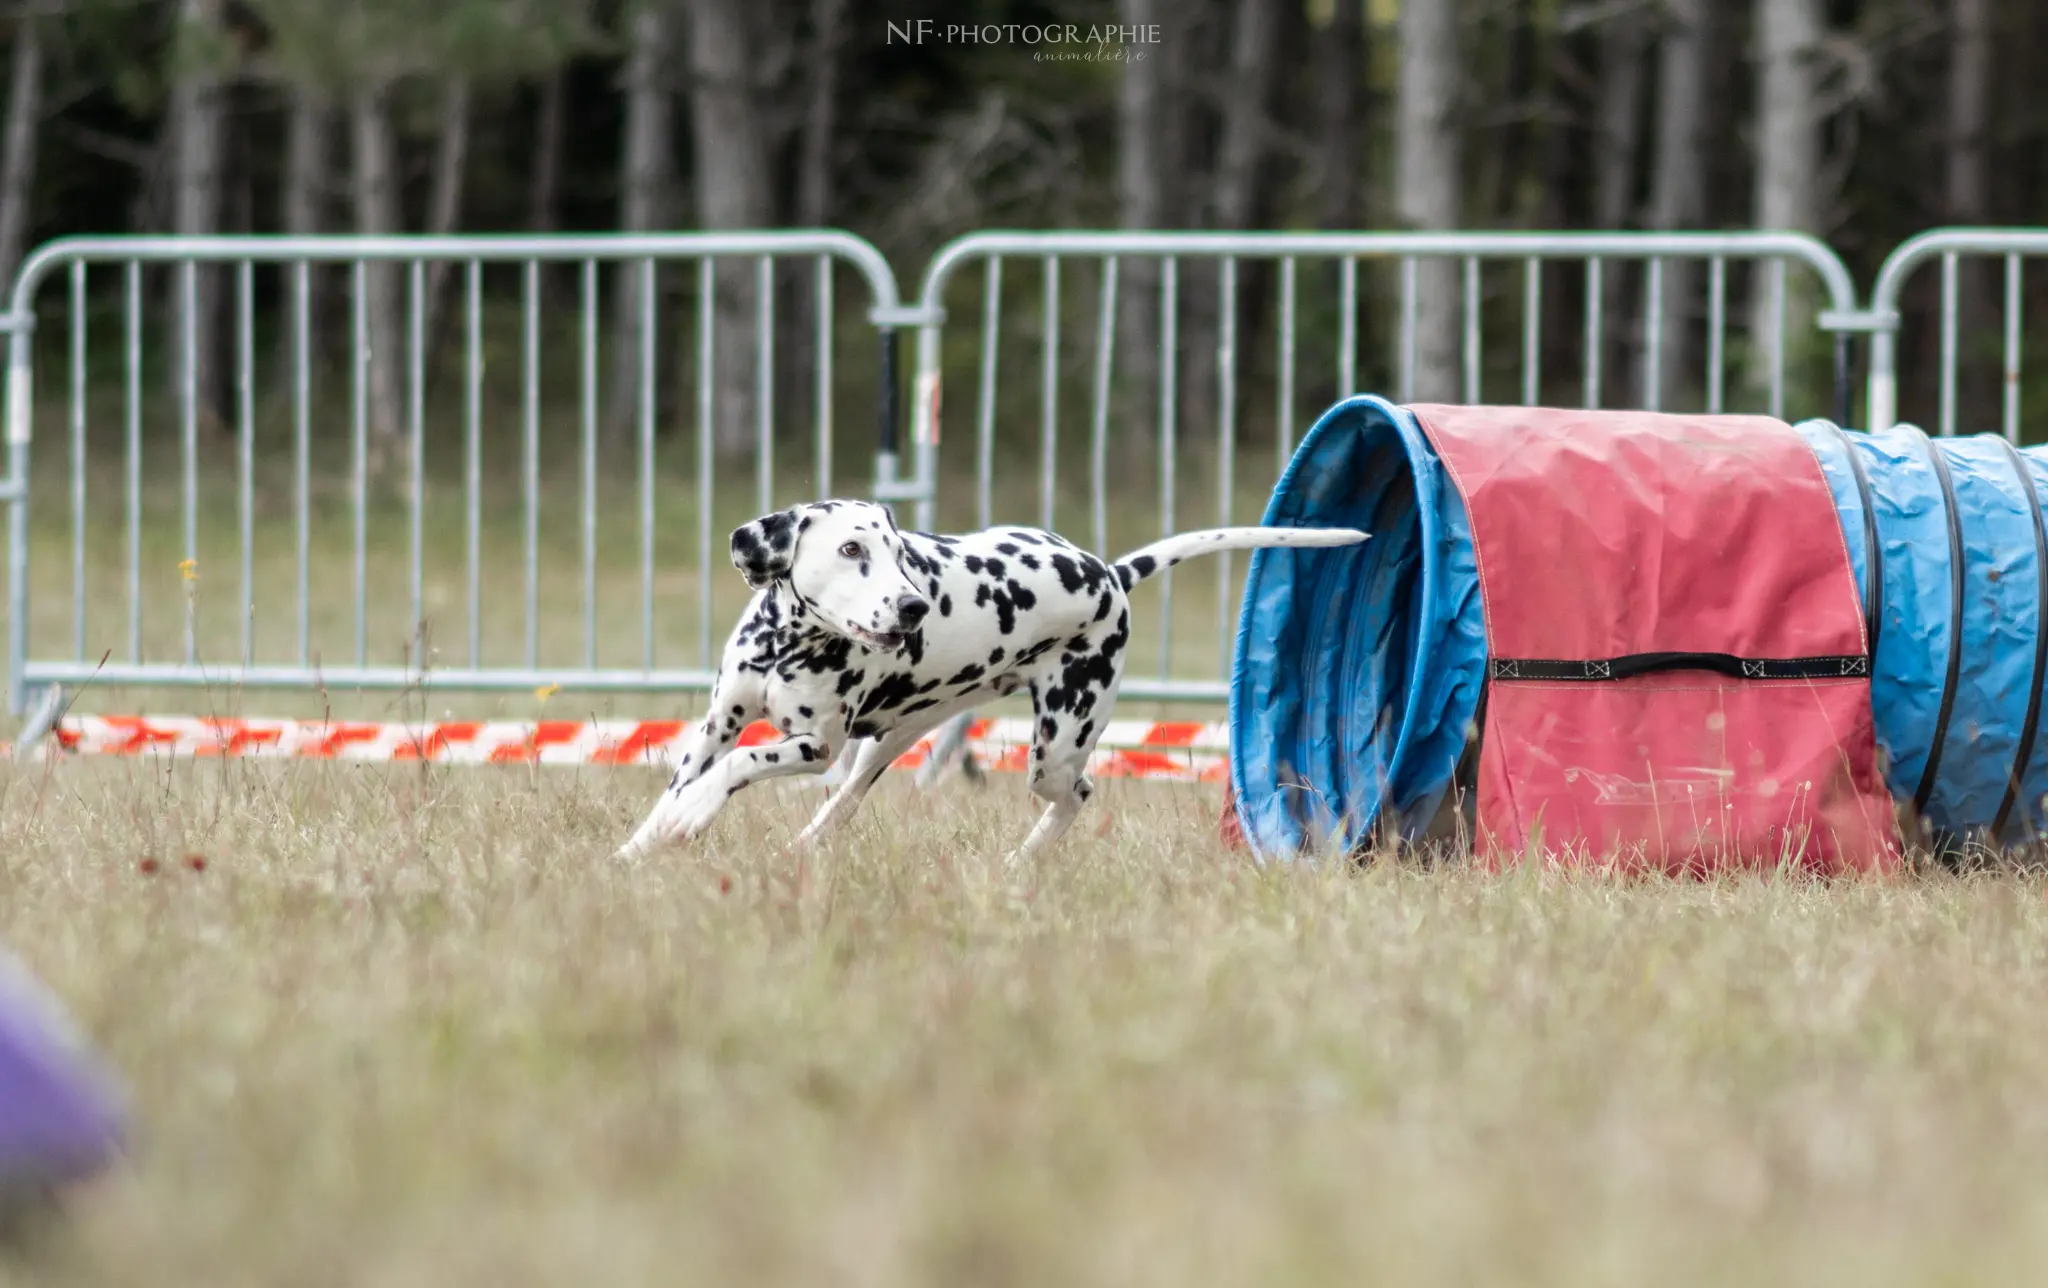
[[414, 1026]]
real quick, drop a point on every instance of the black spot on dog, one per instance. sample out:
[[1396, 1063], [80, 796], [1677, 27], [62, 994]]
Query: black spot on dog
[[972, 563], [891, 693], [1022, 597], [995, 656], [967, 674], [773, 758], [788, 725], [848, 679], [805, 712], [1102, 606], [922, 704], [1143, 566], [738, 710], [945, 603], [1069, 572], [807, 751], [863, 729], [1048, 728], [1081, 735], [1029, 561], [994, 566]]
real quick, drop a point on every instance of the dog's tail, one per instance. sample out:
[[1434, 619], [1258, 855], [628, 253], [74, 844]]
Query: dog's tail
[[1140, 564]]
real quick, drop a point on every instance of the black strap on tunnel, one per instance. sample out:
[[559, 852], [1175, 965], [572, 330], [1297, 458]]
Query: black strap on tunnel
[[1873, 549], [1830, 667], [1925, 791], [2028, 727]]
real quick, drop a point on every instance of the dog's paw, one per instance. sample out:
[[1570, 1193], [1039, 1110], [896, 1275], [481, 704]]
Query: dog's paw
[[693, 811]]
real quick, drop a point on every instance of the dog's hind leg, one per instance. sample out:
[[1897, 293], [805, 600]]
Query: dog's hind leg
[[949, 753]]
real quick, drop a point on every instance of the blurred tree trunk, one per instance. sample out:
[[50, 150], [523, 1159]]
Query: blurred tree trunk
[[1617, 141], [195, 133], [1965, 199], [1141, 201], [1247, 124], [444, 206], [816, 141], [1428, 178], [1787, 161], [18, 146], [375, 178], [309, 163], [730, 146], [1340, 75], [821, 114], [647, 181], [1677, 190], [544, 195]]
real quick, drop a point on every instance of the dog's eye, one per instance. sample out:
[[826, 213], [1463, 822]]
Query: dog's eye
[[852, 550]]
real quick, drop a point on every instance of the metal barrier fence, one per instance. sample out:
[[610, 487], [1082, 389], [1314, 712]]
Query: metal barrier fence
[[1163, 253], [272, 278], [1949, 246], [638, 263]]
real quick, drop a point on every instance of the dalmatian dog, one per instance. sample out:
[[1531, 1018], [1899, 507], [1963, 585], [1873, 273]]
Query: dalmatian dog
[[861, 632]]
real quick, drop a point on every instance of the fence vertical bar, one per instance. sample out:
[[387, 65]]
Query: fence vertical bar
[[472, 454], [1408, 304], [1226, 442], [1653, 337], [359, 440], [1049, 396], [2010, 402], [1717, 330], [1347, 327], [188, 386], [985, 398], [1948, 344], [1777, 272], [1098, 437], [707, 355], [530, 457], [590, 463], [1169, 350], [1532, 331], [133, 363], [822, 407], [1471, 329], [302, 447], [245, 442], [1283, 436], [416, 450], [646, 391], [764, 383], [78, 458], [1594, 293]]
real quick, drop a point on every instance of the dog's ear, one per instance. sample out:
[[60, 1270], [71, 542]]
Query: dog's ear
[[762, 550]]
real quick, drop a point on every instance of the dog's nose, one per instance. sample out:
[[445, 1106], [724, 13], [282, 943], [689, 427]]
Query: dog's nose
[[912, 608]]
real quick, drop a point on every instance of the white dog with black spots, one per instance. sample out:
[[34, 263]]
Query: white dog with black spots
[[859, 632]]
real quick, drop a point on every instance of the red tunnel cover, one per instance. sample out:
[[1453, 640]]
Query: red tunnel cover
[[1602, 535]]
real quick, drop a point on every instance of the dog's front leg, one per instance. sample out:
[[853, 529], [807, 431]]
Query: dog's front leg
[[684, 816], [876, 755], [701, 749]]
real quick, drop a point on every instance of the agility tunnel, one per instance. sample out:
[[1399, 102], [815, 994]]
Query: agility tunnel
[[1702, 639]]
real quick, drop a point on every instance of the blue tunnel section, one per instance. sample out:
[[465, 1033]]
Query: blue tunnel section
[[1359, 669], [1956, 677]]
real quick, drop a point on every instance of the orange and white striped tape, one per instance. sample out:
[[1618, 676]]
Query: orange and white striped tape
[[1189, 751]]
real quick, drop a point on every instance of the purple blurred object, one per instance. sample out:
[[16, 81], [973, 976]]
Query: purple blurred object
[[60, 1117]]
